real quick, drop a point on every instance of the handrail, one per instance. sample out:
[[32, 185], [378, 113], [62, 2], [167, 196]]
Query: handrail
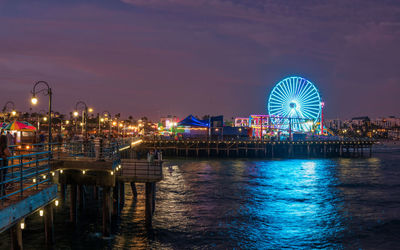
[[28, 169], [20, 173]]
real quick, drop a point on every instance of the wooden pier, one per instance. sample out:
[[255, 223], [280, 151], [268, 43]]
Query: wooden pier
[[37, 177], [258, 148], [27, 188]]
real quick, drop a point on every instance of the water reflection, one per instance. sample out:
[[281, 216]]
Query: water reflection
[[262, 203], [296, 203]]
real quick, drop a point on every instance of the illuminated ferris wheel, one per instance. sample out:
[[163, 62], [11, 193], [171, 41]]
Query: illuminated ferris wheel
[[295, 103]]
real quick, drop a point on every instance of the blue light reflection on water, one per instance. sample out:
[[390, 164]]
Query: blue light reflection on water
[[302, 203], [296, 202], [260, 203]]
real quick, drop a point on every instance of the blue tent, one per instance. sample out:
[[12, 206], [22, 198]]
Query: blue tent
[[193, 122]]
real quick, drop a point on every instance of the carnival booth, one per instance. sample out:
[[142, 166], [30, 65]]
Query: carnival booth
[[24, 132], [192, 127]]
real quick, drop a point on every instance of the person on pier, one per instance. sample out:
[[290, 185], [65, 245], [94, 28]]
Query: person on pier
[[4, 154]]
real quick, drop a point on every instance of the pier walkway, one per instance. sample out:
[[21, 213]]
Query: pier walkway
[[259, 148], [38, 176]]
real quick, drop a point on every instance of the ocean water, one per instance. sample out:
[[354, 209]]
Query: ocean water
[[250, 204]]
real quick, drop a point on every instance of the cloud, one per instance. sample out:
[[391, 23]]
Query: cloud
[[182, 52]]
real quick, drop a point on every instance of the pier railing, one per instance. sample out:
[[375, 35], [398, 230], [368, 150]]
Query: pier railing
[[29, 166], [23, 173], [140, 171], [255, 140]]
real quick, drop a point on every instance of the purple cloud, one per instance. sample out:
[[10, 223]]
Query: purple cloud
[[158, 57]]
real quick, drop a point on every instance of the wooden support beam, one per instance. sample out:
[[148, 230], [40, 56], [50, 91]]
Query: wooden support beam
[[272, 150], [153, 207], [16, 236], [95, 192], [48, 224], [81, 197], [122, 194], [72, 205], [134, 191], [116, 199], [149, 203], [63, 191], [106, 211], [237, 149]]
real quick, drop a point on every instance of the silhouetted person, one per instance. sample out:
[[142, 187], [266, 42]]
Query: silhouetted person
[[4, 154]]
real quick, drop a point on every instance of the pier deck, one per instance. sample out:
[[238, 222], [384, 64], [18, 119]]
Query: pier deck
[[258, 148], [140, 171]]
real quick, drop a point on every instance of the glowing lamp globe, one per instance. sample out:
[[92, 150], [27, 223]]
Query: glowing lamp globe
[[34, 100]]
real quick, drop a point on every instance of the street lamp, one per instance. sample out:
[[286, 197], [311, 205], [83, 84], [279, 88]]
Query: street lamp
[[106, 114], [84, 114], [13, 112], [34, 100], [38, 118]]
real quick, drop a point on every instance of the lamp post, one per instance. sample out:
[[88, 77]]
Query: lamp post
[[322, 117], [34, 100], [108, 115], [38, 118], [84, 114], [13, 112]]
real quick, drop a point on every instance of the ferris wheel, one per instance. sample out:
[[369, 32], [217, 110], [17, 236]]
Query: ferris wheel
[[295, 104]]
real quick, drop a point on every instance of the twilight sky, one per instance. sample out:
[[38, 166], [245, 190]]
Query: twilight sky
[[157, 57]]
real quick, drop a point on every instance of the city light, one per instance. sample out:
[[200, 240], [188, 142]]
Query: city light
[[90, 110], [41, 212], [13, 113], [136, 142], [76, 113]]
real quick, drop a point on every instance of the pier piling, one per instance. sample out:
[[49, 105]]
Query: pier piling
[[16, 237], [48, 224], [73, 207], [149, 204], [134, 191], [106, 212]]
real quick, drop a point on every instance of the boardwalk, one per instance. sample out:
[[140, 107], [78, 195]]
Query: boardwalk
[[258, 148]]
